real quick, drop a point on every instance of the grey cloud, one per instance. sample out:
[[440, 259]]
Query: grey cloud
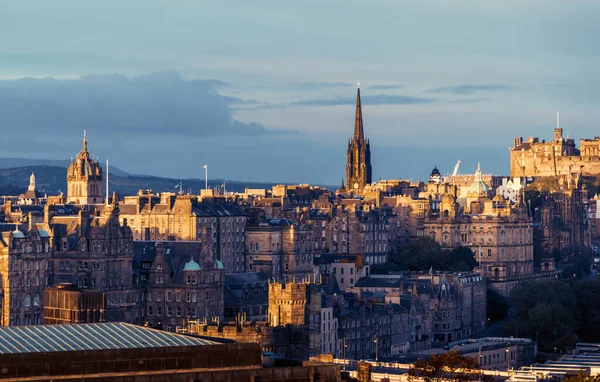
[[472, 100], [470, 89], [386, 87], [159, 103], [381, 99], [321, 85]]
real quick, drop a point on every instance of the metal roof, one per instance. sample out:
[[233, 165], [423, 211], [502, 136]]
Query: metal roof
[[100, 336]]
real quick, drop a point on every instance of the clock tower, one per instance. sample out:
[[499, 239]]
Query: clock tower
[[358, 161]]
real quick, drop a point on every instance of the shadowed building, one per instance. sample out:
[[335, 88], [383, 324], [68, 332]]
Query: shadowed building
[[67, 304]]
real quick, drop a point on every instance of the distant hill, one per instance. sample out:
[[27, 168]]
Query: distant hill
[[51, 179], [6, 163]]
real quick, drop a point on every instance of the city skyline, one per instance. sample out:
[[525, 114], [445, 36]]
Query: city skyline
[[441, 84]]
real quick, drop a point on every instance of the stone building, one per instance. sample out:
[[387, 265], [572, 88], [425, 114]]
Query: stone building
[[177, 282], [32, 195], [358, 159], [280, 248], [557, 157], [84, 178], [25, 268], [170, 217], [80, 245], [246, 296], [68, 304]]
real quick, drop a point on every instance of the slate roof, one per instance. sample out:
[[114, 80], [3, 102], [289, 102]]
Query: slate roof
[[100, 336]]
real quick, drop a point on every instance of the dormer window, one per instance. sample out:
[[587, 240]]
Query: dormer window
[[159, 267], [83, 246]]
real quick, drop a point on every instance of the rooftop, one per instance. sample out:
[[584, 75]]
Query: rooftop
[[101, 336]]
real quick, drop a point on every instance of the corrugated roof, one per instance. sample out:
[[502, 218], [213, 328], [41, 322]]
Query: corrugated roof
[[102, 336]]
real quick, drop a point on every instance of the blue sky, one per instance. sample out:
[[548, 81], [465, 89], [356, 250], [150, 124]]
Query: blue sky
[[265, 90]]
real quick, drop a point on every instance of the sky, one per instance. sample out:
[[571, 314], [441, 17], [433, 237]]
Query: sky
[[265, 90]]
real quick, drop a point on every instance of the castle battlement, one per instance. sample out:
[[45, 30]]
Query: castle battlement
[[555, 158]]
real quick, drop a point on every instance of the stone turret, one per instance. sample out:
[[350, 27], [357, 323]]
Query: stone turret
[[84, 178]]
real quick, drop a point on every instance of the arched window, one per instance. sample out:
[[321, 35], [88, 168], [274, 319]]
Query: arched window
[[496, 273], [27, 299], [36, 300]]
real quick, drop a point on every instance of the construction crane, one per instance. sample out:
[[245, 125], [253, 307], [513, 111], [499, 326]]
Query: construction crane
[[455, 172]]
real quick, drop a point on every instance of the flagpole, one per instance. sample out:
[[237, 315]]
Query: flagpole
[[206, 177]]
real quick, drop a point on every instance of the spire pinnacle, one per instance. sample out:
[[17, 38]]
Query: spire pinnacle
[[84, 141], [358, 121]]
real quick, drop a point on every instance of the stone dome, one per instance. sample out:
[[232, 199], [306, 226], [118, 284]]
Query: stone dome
[[479, 187]]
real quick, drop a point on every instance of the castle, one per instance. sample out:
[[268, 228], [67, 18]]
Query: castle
[[558, 157]]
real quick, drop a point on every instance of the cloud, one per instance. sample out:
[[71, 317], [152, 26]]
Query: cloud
[[321, 85], [162, 103], [470, 89], [472, 100], [386, 87], [381, 99]]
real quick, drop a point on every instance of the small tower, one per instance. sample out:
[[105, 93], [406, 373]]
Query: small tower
[[31, 183], [84, 178]]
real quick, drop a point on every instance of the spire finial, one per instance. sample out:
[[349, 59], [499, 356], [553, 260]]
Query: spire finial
[[84, 140], [558, 119], [358, 84]]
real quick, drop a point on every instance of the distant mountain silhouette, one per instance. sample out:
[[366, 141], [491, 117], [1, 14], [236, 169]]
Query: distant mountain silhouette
[[24, 162], [51, 179]]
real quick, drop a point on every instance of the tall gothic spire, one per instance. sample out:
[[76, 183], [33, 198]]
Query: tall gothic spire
[[358, 121]]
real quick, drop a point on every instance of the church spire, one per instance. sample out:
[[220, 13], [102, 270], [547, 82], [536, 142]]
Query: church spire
[[84, 148], [358, 121]]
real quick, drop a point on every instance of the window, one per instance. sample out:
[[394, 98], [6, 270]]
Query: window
[[178, 311], [169, 311], [27, 299], [178, 297], [150, 310], [169, 296], [489, 253], [36, 300], [189, 279], [159, 310]]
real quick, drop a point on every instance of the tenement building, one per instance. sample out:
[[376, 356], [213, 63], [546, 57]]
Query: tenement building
[[171, 217], [280, 248], [72, 245], [177, 282]]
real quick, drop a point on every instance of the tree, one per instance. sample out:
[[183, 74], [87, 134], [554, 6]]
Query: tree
[[424, 253], [449, 366], [497, 308]]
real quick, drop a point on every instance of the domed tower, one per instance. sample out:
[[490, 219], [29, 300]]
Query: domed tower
[[358, 158], [435, 176], [84, 178]]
